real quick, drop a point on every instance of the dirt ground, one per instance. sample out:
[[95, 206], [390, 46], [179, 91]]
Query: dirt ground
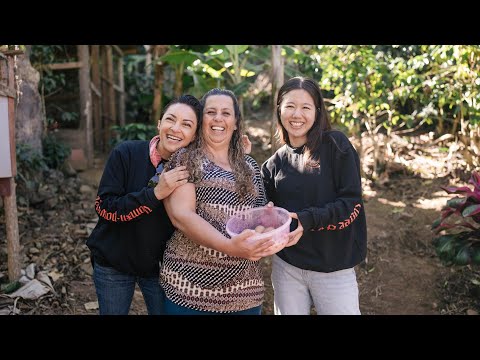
[[401, 275]]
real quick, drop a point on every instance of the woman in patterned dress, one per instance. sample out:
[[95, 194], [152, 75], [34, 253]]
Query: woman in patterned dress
[[204, 271]]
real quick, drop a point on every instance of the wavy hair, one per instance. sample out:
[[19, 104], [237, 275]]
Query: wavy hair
[[197, 152]]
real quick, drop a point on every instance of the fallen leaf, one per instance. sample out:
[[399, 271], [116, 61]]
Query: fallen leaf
[[33, 290], [93, 305], [55, 275]]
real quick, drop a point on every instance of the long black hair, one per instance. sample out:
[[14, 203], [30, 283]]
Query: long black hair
[[320, 124]]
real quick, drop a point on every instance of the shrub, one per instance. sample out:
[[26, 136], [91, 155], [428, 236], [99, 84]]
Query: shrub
[[54, 152], [455, 245], [30, 164], [133, 131]]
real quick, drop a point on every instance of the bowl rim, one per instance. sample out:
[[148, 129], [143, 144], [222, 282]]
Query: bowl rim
[[262, 235]]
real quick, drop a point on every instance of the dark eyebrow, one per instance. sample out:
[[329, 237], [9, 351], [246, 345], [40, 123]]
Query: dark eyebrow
[[291, 102], [188, 120], [214, 108], [170, 114]]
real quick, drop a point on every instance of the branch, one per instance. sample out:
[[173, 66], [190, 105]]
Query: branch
[[401, 132]]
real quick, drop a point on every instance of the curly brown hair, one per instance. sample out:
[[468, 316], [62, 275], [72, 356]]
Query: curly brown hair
[[196, 152]]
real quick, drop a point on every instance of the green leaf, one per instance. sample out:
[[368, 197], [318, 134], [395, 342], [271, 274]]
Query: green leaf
[[456, 202], [10, 287], [463, 257], [476, 255], [471, 210], [240, 88], [179, 57], [444, 244], [239, 48], [436, 223]]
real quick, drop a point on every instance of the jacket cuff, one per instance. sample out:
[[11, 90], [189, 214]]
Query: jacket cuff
[[153, 202], [306, 219]]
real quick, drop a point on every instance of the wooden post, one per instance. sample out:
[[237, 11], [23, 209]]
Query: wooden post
[[8, 166], [121, 84], [96, 98], [13, 240], [277, 82], [111, 90], [86, 101], [105, 99]]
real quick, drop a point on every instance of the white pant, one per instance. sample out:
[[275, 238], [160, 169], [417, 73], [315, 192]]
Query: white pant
[[334, 293]]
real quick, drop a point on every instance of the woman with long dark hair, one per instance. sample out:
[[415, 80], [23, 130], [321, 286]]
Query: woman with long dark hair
[[316, 176]]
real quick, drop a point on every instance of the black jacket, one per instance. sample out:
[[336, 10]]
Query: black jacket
[[133, 225], [328, 201]]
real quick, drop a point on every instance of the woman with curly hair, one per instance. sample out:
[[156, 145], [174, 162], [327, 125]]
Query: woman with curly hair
[[204, 271]]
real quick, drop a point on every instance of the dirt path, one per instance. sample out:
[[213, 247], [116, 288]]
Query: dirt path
[[402, 273]]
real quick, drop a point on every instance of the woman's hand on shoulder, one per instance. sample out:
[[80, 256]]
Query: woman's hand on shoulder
[[170, 180], [247, 144]]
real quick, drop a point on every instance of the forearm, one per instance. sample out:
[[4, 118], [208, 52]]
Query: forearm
[[202, 232], [124, 208], [114, 202], [332, 216]]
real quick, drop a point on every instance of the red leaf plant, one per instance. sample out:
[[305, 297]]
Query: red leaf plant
[[458, 242]]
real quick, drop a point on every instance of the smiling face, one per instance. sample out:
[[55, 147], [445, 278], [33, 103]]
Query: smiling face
[[219, 121], [176, 129], [297, 114]]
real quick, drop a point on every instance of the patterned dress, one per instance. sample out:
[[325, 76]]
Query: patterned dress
[[201, 278]]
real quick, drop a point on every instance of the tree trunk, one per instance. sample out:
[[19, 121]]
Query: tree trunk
[[277, 82], [358, 136], [457, 120], [29, 122], [179, 79], [158, 50]]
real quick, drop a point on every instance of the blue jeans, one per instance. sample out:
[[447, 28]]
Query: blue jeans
[[115, 291], [173, 309]]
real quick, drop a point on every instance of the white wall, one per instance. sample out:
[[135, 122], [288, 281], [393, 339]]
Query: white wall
[[5, 159]]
